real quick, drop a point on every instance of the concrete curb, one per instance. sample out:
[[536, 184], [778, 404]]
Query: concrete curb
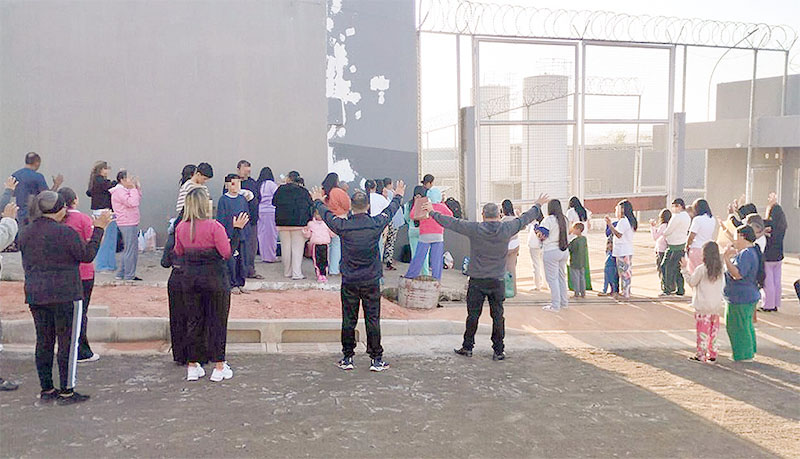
[[133, 329]]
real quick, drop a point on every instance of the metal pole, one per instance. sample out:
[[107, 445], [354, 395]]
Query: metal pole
[[577, 147], [582, 128], [748, 189], [672, 164], [419, 105], [476, 100], [459, 163], [77, 320], [637, 153], [683, 80], [781, 150]]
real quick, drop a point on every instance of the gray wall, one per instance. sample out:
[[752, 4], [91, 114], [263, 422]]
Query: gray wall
[[153, 85], [378, 139], [733, 99]]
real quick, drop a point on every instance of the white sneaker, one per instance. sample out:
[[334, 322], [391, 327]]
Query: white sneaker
[[94, 358], [219, 375], [550, 308], [194, 373]]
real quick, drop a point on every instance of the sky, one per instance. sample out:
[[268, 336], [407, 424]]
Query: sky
[[508, 64]]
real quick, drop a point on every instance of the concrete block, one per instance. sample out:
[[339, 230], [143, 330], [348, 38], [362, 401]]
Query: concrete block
[[434, 327], [98, 311], [19, 331], [394, 327], [101, 329], [246, 348], [142, 328]]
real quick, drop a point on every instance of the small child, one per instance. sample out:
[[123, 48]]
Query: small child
[[231, 204], [318, 233], [657, 230], [610, 273], [578, 250], [708, 283]]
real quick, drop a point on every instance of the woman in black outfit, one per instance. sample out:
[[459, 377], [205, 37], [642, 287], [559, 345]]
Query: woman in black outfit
[[99, 184], [178, 315], [773, 255], [51, 253], [292, 213]]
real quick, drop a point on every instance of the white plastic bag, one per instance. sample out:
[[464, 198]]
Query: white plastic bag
[[150, 240], [141, 242], [448, 260]]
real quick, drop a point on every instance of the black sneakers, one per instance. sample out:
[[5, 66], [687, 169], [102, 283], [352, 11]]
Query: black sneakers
[[378, 365], [500, 356], [70, 398], [48, 396], [346, 363], [464, 352]]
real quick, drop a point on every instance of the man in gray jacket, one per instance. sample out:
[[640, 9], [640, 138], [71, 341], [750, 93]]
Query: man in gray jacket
[[488, 246]]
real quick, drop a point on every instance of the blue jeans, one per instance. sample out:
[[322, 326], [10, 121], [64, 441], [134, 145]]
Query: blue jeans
[[437, 261], [106, 259], [334, 255], [610, 275]]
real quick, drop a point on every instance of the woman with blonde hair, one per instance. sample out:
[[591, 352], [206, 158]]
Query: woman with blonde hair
[[204, 246]]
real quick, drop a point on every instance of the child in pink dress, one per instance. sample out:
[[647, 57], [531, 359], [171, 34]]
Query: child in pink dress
[[319, 235]]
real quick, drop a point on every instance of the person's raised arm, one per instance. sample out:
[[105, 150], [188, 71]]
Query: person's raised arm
[[8, 225], [733, 270], [454, 224], [10, 186], [335, 223]]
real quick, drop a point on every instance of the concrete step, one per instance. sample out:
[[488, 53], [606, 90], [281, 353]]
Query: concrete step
[[98, 311]]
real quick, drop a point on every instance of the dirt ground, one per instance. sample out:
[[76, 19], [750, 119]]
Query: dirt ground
[[145, 301]]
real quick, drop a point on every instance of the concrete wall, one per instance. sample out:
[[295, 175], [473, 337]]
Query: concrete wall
[[790, 197], [371, 86], [733, 98], [153, 85]]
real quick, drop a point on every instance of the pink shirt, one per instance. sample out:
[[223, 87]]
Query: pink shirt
[[208, 234], [318, 232], [429, 225], [125, 202], [658, 235], [81, 223]]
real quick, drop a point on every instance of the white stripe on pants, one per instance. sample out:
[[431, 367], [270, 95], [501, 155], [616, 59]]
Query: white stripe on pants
[[292, 245], [555, 270]]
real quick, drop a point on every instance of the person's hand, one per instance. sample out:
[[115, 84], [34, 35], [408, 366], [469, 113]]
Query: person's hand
[[241, 220], [652, 222], [11, 183], [683, 262], [772, 198], [344, 186], [137, 183], [10, 211], [731, 252], [426, 207], [400, 188], [543, 199], [732, 207], [317, 193], [103, 220], [608, 220], [57, 181]]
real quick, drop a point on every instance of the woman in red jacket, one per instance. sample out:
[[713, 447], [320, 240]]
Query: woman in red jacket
[[206, 287]]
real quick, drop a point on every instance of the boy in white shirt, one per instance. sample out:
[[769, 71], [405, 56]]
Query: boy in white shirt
[[676, 234]]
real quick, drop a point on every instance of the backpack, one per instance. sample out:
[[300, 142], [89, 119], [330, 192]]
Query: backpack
[[454, 207]]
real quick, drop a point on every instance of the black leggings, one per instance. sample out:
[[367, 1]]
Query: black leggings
[[53, 322], [205, 288], [84, 350]]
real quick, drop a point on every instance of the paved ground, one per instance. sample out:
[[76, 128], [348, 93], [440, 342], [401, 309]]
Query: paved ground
[[573, 402]]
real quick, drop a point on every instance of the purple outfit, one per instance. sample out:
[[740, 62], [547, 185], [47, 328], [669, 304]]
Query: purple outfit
[[267, 232]]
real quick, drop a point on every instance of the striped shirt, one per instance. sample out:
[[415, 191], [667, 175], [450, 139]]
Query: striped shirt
[[184, 190]]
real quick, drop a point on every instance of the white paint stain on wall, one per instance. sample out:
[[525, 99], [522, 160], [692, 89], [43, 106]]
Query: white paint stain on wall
[[380, 84]]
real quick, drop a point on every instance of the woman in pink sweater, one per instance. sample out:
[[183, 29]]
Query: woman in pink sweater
[[320, 236], [431, 238], [125, 200]]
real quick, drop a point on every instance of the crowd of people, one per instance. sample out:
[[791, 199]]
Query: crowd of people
[[212, 253]]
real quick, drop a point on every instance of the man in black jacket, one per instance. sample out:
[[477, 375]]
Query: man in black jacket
[[361, 271]]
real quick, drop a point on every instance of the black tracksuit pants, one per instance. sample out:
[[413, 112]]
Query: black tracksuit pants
[[84, 350], [367, 295], [53, 322], [477, 291]]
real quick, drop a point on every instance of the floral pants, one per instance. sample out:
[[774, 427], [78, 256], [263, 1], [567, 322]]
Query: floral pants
[[625, 270], [707, 331]]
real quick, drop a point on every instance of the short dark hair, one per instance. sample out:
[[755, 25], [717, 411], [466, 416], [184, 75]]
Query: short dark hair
[[300, 181], [387, 181], [68, 195], [293, 176], [122, 174], [369, 184], [359, 201], [428, 178], [747, 232], [679, 202], [32, 158], [231, 177], [578, 226], [205, 170], [243, 162]]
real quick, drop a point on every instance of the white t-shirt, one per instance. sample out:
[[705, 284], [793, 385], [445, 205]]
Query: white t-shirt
[[573, 217], [703, 228], [762, 243], [551, 243], [623, 246], [678, 228], [513, 243], [376, 204]]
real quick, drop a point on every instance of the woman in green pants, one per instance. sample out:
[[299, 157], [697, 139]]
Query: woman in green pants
[[745, 272]]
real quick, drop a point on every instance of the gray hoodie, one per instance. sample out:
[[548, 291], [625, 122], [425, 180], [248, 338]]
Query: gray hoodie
[[488, 241]]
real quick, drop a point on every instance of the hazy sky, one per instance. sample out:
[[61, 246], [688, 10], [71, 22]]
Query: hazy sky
[[508, 64]]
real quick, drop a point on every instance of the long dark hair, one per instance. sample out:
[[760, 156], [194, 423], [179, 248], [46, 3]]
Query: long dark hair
[[331, 181], [187, 172], [98, 166], [264, 175], [712, 260], [554, 209], [778, 218], [627, 212], [575, 203], [508, 208], [701, 207], [665, 216], [420, 191]]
